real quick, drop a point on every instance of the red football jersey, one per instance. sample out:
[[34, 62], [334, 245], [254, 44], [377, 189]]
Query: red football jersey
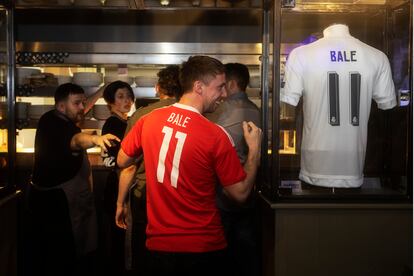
[[185, 155]]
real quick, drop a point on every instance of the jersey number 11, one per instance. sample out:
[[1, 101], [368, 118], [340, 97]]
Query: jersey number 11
[[180, 136], [354, 98]]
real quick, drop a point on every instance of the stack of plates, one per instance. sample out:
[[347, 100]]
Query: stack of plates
[[101, 112], [24, 73], [87, 78], [63, 79], [124, 78], [141, 81]]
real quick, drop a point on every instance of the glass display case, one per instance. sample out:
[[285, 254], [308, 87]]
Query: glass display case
[[340, 110]]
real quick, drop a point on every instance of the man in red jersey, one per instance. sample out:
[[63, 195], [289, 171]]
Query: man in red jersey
[[185, 154]]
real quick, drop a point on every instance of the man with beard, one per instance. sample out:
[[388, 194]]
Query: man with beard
[[60, 197], [184, 155]]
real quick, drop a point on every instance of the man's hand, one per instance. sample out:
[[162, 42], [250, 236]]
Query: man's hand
[[104, 141], [253, 137], [121, 215]]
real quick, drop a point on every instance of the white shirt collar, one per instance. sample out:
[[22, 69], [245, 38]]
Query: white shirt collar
[[336, 30], [187, 107]]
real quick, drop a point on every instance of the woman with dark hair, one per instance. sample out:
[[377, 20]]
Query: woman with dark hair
[[120, 98]]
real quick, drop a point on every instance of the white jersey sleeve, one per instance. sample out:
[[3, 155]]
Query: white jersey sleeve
[[294, 75], [383, 90]]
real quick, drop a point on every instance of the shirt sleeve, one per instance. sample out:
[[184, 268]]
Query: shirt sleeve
[[132, 144], [227, 164], [114, 126], [293, 80], [384, 90]]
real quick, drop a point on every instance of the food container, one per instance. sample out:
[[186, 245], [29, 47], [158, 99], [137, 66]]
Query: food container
[[87, 79]]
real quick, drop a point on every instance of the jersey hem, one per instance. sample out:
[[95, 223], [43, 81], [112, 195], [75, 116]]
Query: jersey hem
[[332, 181], [387, 105]]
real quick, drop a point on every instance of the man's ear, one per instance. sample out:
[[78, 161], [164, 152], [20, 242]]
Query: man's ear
[[157, 89], [60, 106], [232, 85], [198, 87]]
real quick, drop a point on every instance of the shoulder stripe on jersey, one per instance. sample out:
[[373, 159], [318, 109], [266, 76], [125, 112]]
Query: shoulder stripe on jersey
[[228, 135]]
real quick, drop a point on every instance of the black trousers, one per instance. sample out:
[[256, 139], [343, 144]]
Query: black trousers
[[187, 264], [241, 231]]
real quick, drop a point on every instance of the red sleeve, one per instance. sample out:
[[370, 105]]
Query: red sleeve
[[132, 144], [227, 164]]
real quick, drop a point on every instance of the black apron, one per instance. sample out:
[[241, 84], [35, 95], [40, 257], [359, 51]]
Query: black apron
[[81, 207]]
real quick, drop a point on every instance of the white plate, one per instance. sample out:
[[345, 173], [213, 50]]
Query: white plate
[[87, 78]]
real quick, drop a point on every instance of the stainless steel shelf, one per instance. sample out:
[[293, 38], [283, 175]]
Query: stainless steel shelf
[[145, 53]]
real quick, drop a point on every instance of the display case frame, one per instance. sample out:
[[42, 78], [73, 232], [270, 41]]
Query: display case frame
[[282, 188], [8, 126]]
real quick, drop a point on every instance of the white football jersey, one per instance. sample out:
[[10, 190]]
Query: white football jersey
[[338, 76]]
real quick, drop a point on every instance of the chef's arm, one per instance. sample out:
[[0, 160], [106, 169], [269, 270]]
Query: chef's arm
[[91, 100], [83, 141]]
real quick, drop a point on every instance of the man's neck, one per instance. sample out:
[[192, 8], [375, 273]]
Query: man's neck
[[163, 97], [193, 100]]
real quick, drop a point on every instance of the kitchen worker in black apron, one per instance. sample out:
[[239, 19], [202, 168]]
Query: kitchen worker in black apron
[[60, 197]]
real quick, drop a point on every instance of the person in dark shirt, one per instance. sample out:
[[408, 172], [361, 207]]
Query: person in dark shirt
[[239, 220], [60, 198], [119, 98]]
